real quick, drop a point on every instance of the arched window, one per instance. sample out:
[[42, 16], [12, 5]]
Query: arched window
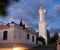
[[5, 35]]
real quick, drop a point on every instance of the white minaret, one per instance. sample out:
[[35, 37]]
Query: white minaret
[[42, 24]]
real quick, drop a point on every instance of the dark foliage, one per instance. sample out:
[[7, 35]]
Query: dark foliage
[[3, 5], [54, 38], [21, 23], [41, 39], [23, 26], [48, 36]]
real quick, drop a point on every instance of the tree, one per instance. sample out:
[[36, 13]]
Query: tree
[[41, 39], [21, 23], [48, 36], [3, 5], [54, 38]]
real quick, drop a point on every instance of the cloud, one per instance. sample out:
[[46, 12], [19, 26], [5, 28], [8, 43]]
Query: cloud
[[53, 16], [56, 8], [26, 10]]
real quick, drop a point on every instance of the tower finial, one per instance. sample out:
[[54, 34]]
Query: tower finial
[[42, 13]]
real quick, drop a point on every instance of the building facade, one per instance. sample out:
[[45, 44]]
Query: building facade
[[13, 35]]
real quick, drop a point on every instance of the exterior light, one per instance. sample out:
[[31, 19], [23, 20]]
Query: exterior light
[[19, 48], [15, 48]]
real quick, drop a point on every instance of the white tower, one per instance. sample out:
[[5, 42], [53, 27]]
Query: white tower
[[42, 24]]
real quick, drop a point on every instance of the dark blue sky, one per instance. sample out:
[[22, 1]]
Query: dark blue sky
[[28, 11]]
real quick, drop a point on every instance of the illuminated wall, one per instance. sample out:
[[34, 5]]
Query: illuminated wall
[[42, 23]]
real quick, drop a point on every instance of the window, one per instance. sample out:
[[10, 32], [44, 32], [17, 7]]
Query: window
[[28, 36], [32, 38], [5, 35]]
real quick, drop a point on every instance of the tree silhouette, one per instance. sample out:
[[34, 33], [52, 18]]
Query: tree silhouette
[[21, 23], [48, 36], [3, 5], [41, 39], [54, 38], [23, 26]]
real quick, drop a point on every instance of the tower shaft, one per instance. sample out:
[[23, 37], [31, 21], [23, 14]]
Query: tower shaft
[[42, 24]]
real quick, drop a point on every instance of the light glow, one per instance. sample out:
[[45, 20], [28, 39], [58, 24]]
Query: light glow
[[44, 10], [15, 48], [19, 48]]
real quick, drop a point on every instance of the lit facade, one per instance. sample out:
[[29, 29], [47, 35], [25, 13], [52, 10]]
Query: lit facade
[[13, 35], [42, 24]]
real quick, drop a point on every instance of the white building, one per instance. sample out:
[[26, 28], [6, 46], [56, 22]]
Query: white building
[[13, 35]]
